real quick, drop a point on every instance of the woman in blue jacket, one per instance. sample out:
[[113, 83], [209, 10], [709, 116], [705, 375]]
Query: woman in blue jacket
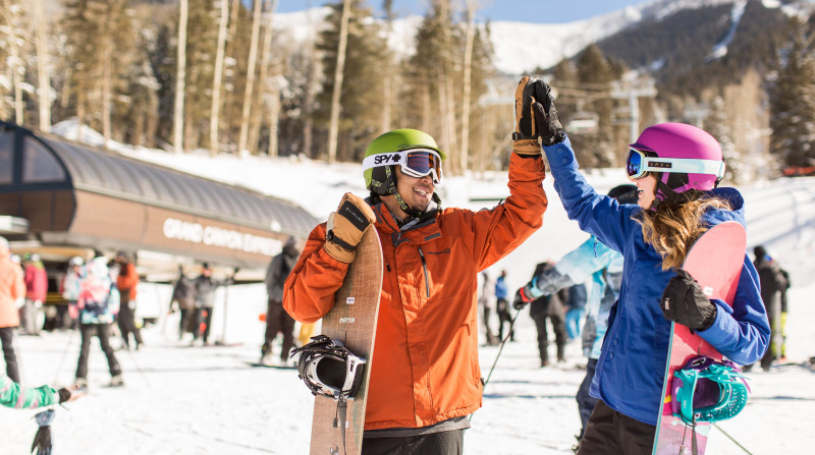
[[676, 168]]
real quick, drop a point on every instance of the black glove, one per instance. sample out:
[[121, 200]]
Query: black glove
[[519, 302], [64, 395], [42, 440], [547, 123], [684, 302]]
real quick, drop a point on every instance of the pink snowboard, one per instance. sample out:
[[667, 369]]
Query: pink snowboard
[[715, 261]]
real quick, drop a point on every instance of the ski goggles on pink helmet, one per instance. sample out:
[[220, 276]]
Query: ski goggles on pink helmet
[[415, 162], [641, 163]]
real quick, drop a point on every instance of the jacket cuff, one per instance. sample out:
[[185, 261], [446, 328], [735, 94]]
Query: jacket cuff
[[560, 155], [331, 262], [724, 326]]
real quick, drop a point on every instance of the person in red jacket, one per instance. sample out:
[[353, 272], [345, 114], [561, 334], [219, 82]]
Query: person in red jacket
[[425, 378], [36, 289], [12, 288], [126, 283]]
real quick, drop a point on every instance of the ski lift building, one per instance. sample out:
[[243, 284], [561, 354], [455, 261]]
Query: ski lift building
[[74, 199]]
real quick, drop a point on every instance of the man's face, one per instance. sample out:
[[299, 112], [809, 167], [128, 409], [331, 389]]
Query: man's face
[[416, 192]]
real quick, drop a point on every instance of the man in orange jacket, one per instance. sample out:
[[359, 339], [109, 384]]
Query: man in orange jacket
[[425, 376], [126, 283], [12, 288]]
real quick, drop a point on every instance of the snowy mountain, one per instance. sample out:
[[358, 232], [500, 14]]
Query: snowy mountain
[[523, 46]]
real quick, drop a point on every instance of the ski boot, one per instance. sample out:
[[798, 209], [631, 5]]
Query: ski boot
[[117, 381]]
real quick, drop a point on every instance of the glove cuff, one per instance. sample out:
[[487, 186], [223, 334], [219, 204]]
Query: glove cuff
[[339, 253], [556, 138], [710, 319], [64, 395], [527, 147]]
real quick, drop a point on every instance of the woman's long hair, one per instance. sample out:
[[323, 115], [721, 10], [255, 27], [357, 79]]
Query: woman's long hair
[[674, 227]]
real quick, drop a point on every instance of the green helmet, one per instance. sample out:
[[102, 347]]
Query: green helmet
[[381, 180]]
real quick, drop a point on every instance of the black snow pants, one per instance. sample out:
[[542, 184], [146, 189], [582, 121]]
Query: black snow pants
[[127, 324], [7, 336], [612, 433], [103, 332], [444, 443], [278, 321]]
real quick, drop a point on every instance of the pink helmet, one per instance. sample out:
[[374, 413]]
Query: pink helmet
[[684, 142]]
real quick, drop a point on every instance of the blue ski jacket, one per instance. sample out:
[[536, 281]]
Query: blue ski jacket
[[501, 290], [605, 267], [631, 368]]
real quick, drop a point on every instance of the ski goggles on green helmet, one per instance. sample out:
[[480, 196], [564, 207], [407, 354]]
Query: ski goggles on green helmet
[[640, 164], [415, 162]]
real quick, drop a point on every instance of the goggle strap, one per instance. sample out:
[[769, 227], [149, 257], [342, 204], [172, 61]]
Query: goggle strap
[[677, 165], [392, 158]]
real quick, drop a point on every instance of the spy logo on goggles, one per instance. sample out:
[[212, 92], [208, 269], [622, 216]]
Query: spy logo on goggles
[[387, 158], [640, 163], [415, 162]]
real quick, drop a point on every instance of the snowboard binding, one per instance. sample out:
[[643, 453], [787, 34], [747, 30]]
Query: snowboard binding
[[705, 390], [329, 369]]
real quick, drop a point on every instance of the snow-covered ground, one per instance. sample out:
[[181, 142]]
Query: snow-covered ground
[[208, 400]]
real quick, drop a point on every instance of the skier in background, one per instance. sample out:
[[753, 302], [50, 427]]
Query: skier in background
[[126, 282], [36, 290], [205, 286], [95, 319], [486, 303], [183, 299], [425, 379], [575, 306], [277, 319], [604, 266], [773, 284], [502, 307], [547, 307], [13, 395], [674, 208], [12, 290], [69, 288]]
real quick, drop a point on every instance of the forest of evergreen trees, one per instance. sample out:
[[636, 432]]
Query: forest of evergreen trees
[[215, 75]]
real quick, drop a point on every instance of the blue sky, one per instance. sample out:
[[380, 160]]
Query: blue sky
[[539, 11]]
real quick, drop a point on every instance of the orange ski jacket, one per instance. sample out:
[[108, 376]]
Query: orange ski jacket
[[127, 281], [425, 366], [12, 288]]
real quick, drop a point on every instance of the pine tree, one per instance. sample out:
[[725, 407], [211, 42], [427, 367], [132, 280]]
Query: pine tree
[[359, 119], [215, 111], [43, 74], [14, 42], [792, 99], [100, 37], [180, 77]]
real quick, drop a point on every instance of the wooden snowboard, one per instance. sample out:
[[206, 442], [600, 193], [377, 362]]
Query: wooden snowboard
[[352, 320], [715, 261]]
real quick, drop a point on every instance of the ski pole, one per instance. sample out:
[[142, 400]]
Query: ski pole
[[500, 349], [732, 439], [138, 368], [64, 353]]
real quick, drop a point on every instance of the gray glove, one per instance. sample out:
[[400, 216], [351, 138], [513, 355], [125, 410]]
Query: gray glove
[[42, 440]]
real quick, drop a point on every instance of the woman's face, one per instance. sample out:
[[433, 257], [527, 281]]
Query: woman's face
[[646, 191]]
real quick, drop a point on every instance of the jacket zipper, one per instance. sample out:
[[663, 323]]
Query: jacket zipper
[[426, 278]]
